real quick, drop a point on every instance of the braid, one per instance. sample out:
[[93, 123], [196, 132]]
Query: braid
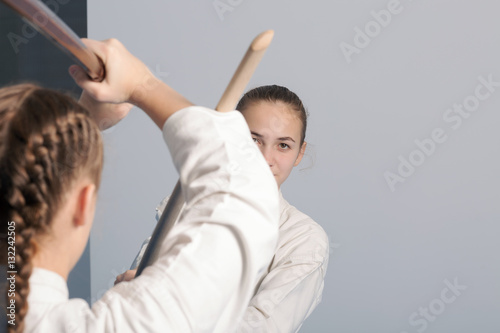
[[47, 141]]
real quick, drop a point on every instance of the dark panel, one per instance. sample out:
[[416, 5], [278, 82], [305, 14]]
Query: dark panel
[[26, 55]]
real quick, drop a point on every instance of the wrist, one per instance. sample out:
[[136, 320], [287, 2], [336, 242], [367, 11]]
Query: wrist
[[159, 101], [140, 93]]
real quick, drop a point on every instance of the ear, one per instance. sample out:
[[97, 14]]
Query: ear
[[84, 209], [301, 154]]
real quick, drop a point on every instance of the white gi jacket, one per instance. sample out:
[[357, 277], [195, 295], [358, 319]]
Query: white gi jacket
[[293, 284], [211, 260]]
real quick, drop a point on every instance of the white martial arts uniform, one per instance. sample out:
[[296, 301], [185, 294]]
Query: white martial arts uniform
[[211, 260], [293, 284]]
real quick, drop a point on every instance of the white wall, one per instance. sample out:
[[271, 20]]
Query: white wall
[[393, 252]]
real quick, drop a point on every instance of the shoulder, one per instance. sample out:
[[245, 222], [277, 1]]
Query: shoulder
[[49, 309], [301, 236], [67, 316], [293, 219]]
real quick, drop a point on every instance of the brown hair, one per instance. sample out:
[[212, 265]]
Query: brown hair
[[47, 142], [275, 93]]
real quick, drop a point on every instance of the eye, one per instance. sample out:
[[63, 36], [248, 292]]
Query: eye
[[284, 146], [255, 140]]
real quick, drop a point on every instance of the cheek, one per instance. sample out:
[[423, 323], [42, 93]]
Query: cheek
[[286, 161]]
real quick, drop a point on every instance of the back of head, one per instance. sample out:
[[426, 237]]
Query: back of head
[[47, 142]]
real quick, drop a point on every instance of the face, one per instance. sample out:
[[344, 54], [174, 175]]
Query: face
[[276, 129]]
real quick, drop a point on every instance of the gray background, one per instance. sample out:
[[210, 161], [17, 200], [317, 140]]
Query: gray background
[[392, 251]]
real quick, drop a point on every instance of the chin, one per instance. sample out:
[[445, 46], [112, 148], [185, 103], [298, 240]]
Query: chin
[[278, 179]]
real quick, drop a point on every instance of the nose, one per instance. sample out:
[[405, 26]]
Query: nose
[[268, 154]]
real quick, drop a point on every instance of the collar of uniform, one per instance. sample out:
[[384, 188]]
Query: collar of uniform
[[47, 287], [283, 206]]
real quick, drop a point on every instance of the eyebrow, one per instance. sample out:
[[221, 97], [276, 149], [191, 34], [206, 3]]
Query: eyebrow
[[285, 138], [256, 134]]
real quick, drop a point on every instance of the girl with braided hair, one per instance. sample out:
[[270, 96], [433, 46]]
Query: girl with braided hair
[[49, 148], [50, 167]]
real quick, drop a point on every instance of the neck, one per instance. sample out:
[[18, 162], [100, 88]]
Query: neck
[[53, 260]]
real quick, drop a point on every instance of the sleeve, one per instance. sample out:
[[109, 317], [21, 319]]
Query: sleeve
[[293, 287], [212, 259]]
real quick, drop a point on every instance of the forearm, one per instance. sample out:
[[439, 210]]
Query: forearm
[[158, 100], [284, 300], [154, 97]]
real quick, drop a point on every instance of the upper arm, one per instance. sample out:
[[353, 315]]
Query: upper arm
[[292, 289]]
